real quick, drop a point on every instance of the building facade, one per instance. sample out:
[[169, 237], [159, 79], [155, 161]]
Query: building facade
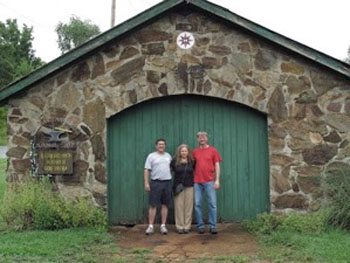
[[289, 104]]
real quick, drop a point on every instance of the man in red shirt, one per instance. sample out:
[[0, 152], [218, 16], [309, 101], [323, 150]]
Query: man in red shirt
[[206, 180]]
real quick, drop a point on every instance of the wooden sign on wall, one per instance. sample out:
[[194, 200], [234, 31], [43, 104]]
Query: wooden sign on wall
[[55, 162]]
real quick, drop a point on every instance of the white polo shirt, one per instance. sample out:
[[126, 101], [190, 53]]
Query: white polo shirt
[[159, 165]]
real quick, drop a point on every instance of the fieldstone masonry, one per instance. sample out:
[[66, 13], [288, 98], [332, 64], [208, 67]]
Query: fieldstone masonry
[[308, 107]]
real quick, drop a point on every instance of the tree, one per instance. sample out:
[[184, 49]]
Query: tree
[[75, 33], [17, 56]]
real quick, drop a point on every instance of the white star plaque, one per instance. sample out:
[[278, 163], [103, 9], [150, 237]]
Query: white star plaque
[[185, 40]]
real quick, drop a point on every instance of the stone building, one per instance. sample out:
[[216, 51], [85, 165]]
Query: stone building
[[100, 98]]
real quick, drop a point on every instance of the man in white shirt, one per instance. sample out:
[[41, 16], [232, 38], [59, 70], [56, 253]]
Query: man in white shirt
[[157, 180]]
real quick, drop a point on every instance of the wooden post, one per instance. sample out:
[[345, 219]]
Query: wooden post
[[113, 14]]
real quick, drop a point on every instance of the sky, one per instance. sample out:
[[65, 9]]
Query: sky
[[319, 24]]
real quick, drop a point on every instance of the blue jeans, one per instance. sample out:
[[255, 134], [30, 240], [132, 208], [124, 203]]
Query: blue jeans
[[208, 189]]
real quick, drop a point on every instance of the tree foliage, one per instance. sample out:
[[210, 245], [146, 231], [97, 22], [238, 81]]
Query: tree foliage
[[17, 59], [75, 33], [17, 56]]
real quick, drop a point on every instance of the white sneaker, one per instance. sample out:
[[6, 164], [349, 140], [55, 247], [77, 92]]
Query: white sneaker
[[163, 230], [149, 230]]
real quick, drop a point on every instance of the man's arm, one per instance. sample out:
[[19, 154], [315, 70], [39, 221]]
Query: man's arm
[[217, 176], [146, 180]]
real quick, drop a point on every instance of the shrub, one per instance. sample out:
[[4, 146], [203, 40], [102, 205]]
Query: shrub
[[18, 203], [32, 204], [48, 214], [310, 223], [266, 224], [81, 214], [336, 188]]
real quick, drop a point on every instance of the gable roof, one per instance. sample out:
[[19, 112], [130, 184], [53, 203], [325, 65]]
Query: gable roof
[[156, 11]]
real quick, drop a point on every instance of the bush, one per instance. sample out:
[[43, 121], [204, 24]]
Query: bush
[[80, 214], [310, 223], [263, 223], [266, 224], [336, 188], [32, 204], [50, 214]]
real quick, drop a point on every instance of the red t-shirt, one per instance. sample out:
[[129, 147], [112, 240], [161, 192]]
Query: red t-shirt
[[205, 164]]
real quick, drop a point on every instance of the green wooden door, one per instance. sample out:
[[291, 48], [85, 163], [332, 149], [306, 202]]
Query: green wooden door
[[238, 132]]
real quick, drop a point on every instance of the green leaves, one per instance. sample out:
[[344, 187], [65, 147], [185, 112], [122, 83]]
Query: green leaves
[[17, 56], [33, 205], [75, 33], [305, 223], [17, 59], [336, 189]]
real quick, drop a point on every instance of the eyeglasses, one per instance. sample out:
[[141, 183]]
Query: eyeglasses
[[201, 133]]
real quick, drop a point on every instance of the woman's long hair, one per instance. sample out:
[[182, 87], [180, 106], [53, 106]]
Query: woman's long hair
[[177, 156]]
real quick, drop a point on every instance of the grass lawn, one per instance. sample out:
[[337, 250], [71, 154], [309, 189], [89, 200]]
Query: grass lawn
[[69, 245], [2, 187], [2, 177], [332, 246]]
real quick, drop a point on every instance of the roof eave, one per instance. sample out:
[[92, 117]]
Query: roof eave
[[86, 48], [292, 45]]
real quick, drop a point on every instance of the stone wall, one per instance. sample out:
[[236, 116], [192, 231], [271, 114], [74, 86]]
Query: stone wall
[[308, 106]]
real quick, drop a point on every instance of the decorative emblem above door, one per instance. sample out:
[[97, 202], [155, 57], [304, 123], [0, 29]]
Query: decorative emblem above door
[[185, 40]]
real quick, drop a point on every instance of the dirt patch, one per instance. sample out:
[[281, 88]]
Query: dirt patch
[[231, 240]]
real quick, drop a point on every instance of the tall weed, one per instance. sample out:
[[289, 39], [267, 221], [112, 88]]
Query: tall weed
[[33, 204], [336, 188], [266, 224], [309, 223]]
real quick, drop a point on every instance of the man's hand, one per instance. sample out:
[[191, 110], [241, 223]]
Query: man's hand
[[146, 180], [216, 185], [217, 176]]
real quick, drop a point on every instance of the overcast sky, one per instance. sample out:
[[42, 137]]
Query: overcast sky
[[320, 24]]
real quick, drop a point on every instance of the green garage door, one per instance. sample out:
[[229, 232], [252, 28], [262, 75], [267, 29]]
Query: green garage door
[[238, 132]]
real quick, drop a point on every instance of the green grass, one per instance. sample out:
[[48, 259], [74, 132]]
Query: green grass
[[2, 187], [69, 245], [298, 237], [282, 246], [2, 177]]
